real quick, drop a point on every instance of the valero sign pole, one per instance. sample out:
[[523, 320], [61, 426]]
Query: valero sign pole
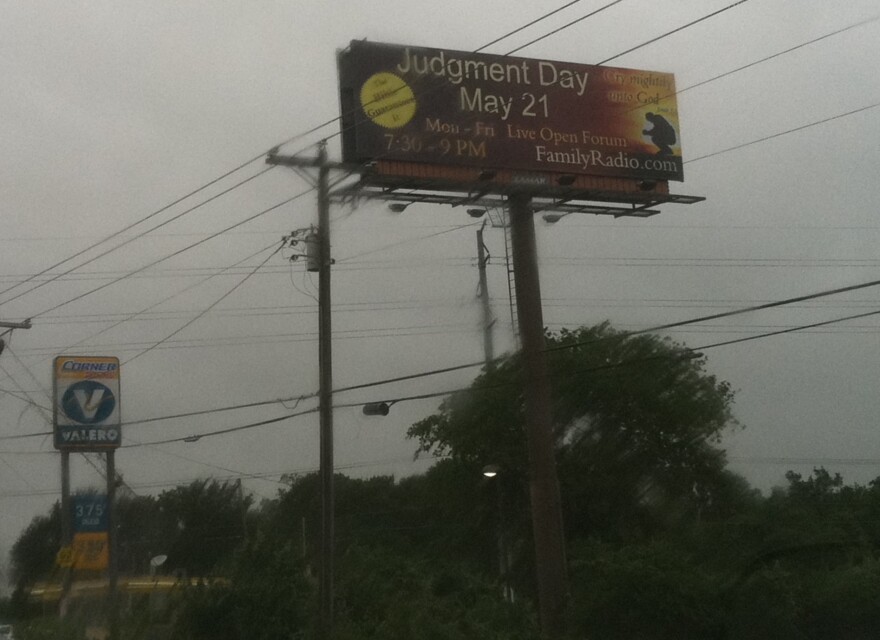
[[87, 418]]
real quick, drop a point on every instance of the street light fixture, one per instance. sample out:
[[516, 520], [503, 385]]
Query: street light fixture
[[377, 408], [492, 471]]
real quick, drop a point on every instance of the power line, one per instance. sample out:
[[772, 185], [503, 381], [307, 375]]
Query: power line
[[784, 133], [676, 30], [565, 26], [439, 84], [423, 396], [775, 55], [220, 432], [207, 309], [789, 330], [176, 253], [128, 241], [136, 314], [526, 26]]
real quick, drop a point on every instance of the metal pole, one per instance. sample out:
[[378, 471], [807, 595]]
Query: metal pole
[[488, 321], [325, 372], [112, 542], [66, 531], [544, 484], [66, 513]]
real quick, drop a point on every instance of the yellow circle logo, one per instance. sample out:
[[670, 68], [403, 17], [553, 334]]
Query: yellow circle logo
[[388, 100]]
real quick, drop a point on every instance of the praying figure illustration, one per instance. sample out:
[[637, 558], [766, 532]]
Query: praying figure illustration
[[662, 133]]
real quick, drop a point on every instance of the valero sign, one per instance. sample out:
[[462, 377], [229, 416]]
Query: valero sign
[[436, 106], [86, 406]]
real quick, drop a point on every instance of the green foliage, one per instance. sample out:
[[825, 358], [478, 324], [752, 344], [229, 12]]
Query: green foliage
[[653, 591], [383, 594], [203, 523], [33, 553], [637, 415], [271, 592], [50, 628], [206, 613]]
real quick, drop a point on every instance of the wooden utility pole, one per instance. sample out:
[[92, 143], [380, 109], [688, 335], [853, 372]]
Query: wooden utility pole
[[325, 396], [325, 376]]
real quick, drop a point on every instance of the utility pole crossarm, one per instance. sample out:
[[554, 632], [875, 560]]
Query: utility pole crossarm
[[274, 158], [15, 325]]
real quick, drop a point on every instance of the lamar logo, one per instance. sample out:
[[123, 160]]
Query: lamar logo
[[88, 402]]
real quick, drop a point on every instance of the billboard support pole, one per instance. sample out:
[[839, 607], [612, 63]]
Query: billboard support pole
[[544, 484]]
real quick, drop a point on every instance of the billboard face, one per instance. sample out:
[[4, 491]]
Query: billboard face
[[451, 107], [86, 407]]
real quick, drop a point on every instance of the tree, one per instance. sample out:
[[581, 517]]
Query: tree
[[33, 554], [636, 418], [203, 523]]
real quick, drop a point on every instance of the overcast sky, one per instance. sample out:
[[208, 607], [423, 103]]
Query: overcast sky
[[111, 111]]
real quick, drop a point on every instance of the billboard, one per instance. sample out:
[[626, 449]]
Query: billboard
[[86, 406], [436, 106]]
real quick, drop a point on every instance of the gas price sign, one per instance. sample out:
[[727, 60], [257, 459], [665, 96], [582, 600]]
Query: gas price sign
[[456, 108]]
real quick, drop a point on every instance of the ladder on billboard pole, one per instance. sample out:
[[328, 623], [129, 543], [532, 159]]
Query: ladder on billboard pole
[[500, 219]]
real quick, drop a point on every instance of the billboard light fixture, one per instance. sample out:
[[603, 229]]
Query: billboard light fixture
[[553, 218], [476, 213], [566, 180], [398, 207]]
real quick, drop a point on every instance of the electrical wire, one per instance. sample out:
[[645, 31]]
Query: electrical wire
[[174, 254], [605, 367], [563, 27], [691, 353], [773, 56], [126, 242], [207, 309], [788, 330], [302, 135], [526, 26], [220, 432], [785, 133], [407, 241], [676, 30], [146, 309], [424, 92]]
